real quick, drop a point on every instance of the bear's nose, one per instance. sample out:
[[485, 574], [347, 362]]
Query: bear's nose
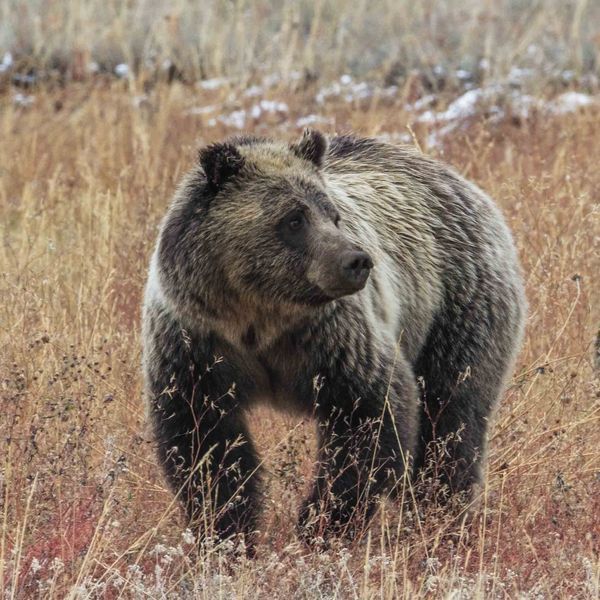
[[356, 266]]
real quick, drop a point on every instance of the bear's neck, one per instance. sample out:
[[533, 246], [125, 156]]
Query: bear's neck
[[256, 328]]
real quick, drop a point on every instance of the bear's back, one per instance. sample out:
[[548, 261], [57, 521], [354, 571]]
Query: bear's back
[[437, 239]]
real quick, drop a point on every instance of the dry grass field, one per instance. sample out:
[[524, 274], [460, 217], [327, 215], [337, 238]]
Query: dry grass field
[[86, 171], [243, 39]]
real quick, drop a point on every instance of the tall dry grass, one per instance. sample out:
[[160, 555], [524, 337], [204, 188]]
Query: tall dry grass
[[85, 174], [248, 38]]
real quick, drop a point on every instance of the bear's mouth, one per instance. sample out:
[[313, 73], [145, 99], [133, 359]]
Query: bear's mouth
[[314, 296], [340, 292], [317, 296]]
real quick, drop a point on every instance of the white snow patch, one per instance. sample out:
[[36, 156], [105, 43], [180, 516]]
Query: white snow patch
[[122, 70], [236, 119], [272, 106], [274, 79], [253, 91], [255, 111], [313, 120], [518, 76], [212, 84], [395, 137], [7, 62], [434, 139], [463, 107], [350, 90], [522, 105], [201, 110], [421, 103], [570, 102], [268, 106], [568, 75], [327, 92], [23, 100], [359, 91]]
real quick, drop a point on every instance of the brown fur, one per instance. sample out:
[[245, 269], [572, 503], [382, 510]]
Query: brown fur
[[443, 304]]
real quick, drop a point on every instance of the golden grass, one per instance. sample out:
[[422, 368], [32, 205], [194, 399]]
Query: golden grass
[[85, 175]]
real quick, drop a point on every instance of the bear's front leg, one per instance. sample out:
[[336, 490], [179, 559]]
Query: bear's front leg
[[196, 398], [210, 461], [367, 425]]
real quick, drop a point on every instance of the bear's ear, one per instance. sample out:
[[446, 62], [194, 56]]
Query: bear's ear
[[220, 163], [311, 146]]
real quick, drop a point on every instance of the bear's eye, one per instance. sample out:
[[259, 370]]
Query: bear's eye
[[296, 221]]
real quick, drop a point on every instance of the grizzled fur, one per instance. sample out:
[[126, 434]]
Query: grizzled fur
[[244, 304]]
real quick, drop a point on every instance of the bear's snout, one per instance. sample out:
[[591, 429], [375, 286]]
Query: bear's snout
[[355, 267], [340, 270]]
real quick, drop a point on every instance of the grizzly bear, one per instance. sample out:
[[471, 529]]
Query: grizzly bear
[[360, 283]]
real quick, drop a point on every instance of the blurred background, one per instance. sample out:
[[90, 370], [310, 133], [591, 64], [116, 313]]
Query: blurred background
[[548, 44]]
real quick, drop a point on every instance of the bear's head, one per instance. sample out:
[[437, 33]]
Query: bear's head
[[255, 225]]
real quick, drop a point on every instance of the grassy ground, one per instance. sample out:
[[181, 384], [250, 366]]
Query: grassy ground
[[86, 172]]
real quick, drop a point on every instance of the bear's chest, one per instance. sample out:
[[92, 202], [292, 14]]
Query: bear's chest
[[279, 371]]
